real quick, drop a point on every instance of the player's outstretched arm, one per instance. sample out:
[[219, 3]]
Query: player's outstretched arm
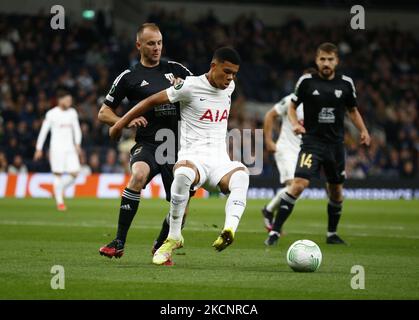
[[268, 122], [292, 115], [139, 109], [356, 119], [108, 116]]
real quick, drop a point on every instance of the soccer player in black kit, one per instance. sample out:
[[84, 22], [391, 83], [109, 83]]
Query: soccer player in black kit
[[151, 75], [326, 97]]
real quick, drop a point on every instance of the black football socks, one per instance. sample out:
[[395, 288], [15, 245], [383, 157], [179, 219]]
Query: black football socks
[[164, 232], [285, 208], [129, 205], [334, 210]]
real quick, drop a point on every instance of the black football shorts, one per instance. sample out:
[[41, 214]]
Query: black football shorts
[[314, 157], [146, 153]]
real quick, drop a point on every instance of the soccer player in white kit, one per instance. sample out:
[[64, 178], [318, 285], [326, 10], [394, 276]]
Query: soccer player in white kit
[[65, 141], [285, 149], [202, 158]]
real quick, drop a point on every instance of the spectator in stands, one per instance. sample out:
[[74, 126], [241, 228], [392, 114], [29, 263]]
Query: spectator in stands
[[124, 158], [407, 170], [111, 165], [82, 58], [17, 167], [6, 46], [94, 162], [3, 162], [84, 167]]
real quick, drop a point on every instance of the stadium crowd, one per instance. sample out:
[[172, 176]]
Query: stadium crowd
[[36, 60]]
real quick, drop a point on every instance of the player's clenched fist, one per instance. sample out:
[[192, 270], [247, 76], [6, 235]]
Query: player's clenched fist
[[115, 131], [138, 122], [270, 146], [365, 138], [298, 129], [38, 155]]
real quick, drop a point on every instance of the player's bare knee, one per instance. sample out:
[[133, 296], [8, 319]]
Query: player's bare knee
[[137, 181], [335, 192], [140, 171], [297, 187], [336, 196]]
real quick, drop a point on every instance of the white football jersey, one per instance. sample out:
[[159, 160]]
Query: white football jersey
[[204, 112], [287, 137], [65, 130]]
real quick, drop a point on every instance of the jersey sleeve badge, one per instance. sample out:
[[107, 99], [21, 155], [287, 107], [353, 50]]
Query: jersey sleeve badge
[[179, 85]]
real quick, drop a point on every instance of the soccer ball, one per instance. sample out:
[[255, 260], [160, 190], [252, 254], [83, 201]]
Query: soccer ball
[[304, 256]]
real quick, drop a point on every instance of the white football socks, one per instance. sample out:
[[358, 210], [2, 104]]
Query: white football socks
[[60, 184], [274, 203], [183, 179], [68, 180], [236, 201], [58, 189]]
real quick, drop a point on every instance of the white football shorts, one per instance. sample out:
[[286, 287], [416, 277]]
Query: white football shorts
[[286, 162], [211, 169], [64, 161]]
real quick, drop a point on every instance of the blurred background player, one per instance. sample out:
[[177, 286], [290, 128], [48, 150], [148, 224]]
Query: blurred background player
[[65, 142], [326, 97], [203, 160], [285, 149], [149, 76]]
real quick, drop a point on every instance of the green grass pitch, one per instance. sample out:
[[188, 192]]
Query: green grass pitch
[[383, 238]]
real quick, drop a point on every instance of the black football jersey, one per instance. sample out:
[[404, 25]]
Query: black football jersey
[[325, 103], [140, 82]]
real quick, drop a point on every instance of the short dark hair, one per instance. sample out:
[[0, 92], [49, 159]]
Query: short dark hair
[[150, 25], [227, 54], [328, 47], [310, 70], [62, 92]]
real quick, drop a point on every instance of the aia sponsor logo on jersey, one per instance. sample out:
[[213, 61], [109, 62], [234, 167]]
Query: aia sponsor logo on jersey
[[214, 115]]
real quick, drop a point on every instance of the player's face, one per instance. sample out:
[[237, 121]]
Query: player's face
[[224, 73], [150, 45], [65, 102], [326, 63]]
